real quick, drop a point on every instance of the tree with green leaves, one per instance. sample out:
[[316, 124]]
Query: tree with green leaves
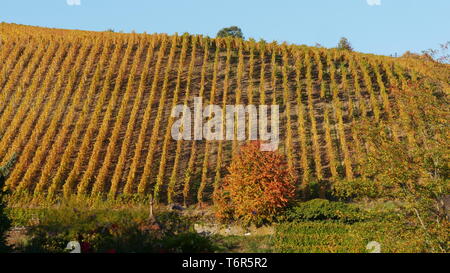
[[344, 44], [5, 223], [232, 31]]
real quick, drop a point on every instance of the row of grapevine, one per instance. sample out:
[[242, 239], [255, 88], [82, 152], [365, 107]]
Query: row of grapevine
[[127, 142], [137, 154], [262, 90], [88, 176], [15, 81], [71, 118], [318, 61], [34, 160], [66, 166], [328, 137], [302, 130], [193, 153], [385, 98], [148, 166], [165, 146], [345, 85], [312, 117], [287, 104], [329, 144], [251, 71], [31, 133], [240, 75], [368, 82], [53, 129], [205, 164], [14, 75], [338, 113], [5, 51], [403, 109], [224, 103], [351, 104], [19, 128], [174, 174], [19, 96], [396, 83], [356, 85], [250, 86], [342, 139], [273, 76], [99, 185], [59, 94], [10, 65]]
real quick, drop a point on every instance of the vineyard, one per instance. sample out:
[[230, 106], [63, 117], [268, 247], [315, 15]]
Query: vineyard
[[88, 113]]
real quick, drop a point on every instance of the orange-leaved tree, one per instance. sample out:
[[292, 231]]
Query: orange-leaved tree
[[259, 185]]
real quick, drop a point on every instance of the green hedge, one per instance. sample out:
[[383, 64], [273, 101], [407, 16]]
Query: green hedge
[[338, 237], [321, 209]]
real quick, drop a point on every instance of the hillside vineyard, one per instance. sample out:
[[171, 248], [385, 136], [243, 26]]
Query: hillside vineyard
[[89, 113]]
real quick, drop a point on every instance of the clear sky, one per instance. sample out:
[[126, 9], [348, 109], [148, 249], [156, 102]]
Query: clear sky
[[372, 26]]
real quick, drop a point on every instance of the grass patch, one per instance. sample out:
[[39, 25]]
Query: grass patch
[[245, 244]]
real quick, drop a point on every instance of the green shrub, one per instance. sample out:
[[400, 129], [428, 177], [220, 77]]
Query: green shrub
[[121, 231], [315, 237], [321, 209], [355, 189], [189, 242], [338, 237], [5, 222], [173, 222]]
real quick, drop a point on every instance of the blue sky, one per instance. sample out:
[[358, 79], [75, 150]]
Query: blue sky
[[373, 26]]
